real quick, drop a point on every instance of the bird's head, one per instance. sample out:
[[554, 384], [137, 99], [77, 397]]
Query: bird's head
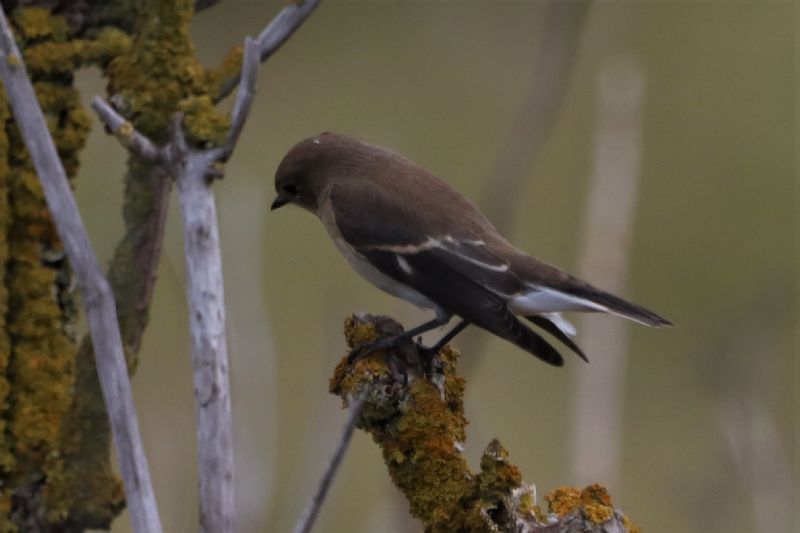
[[313, 164]]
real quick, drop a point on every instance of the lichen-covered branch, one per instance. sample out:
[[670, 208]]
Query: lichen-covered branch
[[97, 297], [418, 422]]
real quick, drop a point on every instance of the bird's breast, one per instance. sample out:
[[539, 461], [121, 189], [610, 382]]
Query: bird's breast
[[364, 268]]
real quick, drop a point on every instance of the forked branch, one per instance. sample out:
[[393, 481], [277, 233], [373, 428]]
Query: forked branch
[[193, 170]]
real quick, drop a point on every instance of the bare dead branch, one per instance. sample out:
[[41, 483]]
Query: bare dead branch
[[244, 97], [126, 133], [205, 293], [283, 26], [313, 507], [272, 38], [209, 344], [98, 299]]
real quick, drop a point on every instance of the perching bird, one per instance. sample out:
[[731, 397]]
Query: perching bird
[[412, 235]]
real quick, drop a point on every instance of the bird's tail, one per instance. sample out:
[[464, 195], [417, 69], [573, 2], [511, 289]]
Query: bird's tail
[[608, 303]]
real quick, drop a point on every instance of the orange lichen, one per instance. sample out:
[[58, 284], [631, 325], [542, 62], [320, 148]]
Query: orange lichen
[[563, 500], [419, 424], [38, 342], [420, 427]]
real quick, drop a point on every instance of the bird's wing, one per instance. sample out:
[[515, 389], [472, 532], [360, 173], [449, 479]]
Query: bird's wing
[[393, 241]]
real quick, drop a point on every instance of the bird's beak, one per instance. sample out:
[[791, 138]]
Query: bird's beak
[[280, 201]]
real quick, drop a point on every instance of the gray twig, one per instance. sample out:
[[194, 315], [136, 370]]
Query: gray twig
[[126, 133], [313, 507], [97, 297], [272, 38], [205, 291], [244, 97]]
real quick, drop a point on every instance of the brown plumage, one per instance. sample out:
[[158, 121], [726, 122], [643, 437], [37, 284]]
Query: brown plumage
[[414, 236]]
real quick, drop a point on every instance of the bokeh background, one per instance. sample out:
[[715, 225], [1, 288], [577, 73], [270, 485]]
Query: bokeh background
[[708, 409]]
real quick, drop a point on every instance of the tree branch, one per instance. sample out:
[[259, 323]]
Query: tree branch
[[272, 38], [418, 421], [313, 507], [205, 291], [96, 293], [126, 133], [244, 97]]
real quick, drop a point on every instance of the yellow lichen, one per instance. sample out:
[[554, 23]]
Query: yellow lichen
[[38, 343], [51, 57], [35, 23], [596, 493], [563, 500], [419, 433], [159, 70], [630, 527], [597, 505], [420, 426], [204, 125], [6, 454], [224, 76]]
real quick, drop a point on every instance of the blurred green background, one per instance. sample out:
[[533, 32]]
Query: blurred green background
[[713, 248]]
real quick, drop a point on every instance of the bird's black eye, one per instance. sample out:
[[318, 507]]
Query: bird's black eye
[[290, 189]]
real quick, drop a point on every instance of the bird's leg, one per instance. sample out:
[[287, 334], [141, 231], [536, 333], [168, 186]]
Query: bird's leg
[[387, 342], [427, 353], [447, 338]]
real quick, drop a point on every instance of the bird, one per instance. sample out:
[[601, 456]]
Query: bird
[[414, 236]]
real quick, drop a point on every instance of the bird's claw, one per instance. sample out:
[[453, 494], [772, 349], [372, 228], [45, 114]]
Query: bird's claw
[[359, 353]]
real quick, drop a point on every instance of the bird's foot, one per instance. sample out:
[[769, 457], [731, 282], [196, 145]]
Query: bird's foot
[[427, 355], [409, 356], [359, 353]]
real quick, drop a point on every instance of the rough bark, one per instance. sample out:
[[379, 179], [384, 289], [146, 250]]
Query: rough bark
[[419, 424]]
